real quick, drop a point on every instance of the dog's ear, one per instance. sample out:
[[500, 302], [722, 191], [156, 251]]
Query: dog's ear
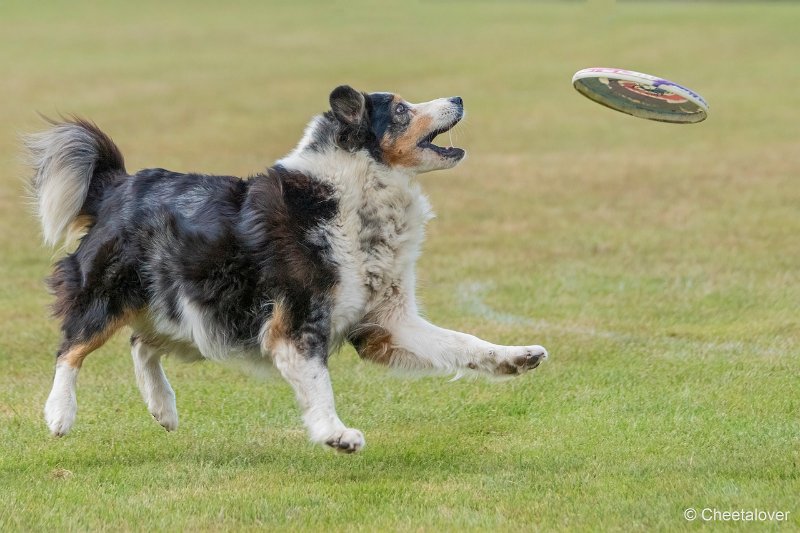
[[348, 105]]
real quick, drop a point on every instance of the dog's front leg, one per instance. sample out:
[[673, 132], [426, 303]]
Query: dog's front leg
[[408, 341], [301, 358], [309, 377]]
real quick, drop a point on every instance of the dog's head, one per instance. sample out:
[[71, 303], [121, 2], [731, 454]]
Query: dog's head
[[394, 132]]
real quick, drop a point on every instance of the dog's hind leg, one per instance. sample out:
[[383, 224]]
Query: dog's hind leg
[[153, 383], [92, 307], [62, 405]]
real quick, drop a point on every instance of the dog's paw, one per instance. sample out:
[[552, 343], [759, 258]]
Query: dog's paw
[[59, 413], [166, 415], [347, 441], [519, 359]]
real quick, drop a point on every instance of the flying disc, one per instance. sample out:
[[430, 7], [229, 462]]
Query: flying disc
[[641, 95]]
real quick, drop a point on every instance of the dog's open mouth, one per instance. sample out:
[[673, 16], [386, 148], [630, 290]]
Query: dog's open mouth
[[450, 152]]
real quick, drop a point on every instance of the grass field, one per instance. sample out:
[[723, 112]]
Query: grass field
[[659, 264]]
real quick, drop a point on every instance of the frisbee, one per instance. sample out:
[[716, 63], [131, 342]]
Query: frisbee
[[641, 95]]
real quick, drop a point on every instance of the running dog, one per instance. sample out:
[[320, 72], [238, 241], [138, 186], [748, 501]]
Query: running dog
[[279, 269]]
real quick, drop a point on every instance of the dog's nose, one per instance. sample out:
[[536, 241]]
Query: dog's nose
[[457, 100]]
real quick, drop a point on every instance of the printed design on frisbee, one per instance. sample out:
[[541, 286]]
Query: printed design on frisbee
[[623, 87], [641, 95]]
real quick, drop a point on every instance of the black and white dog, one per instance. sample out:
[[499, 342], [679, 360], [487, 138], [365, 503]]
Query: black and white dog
[[279, 269]]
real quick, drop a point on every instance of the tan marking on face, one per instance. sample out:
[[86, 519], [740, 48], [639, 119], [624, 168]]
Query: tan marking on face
[[75, 355], [403, 151], [375, 345]]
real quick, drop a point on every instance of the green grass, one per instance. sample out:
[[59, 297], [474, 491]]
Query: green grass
[[659, 264]]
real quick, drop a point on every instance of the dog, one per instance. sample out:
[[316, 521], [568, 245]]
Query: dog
[[278, 269]]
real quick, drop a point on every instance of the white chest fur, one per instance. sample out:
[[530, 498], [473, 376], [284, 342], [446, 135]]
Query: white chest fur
[[391, 229], [379, 234]]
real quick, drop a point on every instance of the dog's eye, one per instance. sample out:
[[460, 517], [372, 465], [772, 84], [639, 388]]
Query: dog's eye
[[400, 109]]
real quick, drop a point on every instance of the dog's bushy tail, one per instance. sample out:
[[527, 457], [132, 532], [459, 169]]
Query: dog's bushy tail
[[72, 161]]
